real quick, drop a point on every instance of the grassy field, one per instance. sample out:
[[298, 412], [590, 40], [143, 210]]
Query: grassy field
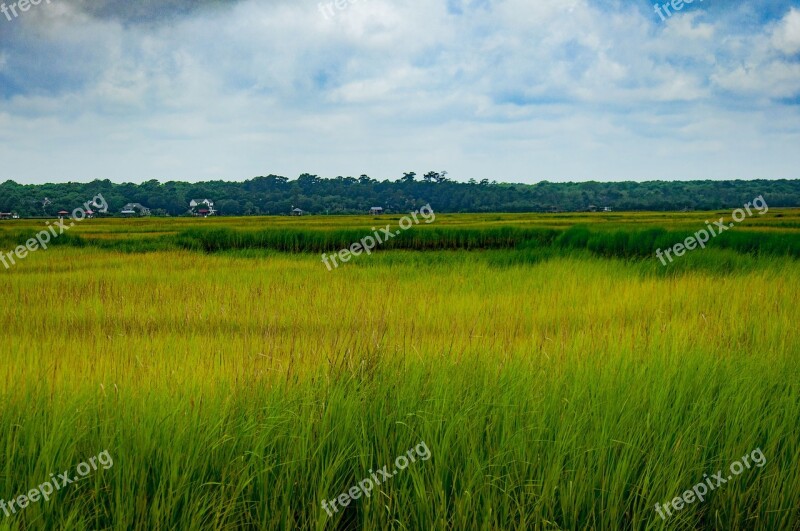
[[559, 375]]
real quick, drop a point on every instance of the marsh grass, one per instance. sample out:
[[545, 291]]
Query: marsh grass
[[557, 387]]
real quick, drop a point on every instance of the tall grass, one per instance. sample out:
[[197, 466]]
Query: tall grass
[[625, 243], [626, 235], [556, 386]]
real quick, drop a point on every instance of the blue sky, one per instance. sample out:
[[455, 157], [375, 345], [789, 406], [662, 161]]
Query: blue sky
[[512, 90]]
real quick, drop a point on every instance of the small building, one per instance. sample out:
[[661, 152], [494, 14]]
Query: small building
[[62, 213], [591, 208], [202, 207], [376, 211], [89, 214], [297, 212], [6, 215], [607, 209], [135, 209]]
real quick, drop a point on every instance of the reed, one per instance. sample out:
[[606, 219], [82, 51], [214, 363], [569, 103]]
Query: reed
[[561, 379]]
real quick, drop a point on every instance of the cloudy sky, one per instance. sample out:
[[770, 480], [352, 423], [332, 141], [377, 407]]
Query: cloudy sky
[[512, 90]]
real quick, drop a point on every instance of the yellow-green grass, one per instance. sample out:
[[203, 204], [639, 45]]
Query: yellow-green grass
[[776, 218], [616, 234], [554, 390]]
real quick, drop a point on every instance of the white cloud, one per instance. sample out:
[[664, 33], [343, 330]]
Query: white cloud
[[776, 79], [509, 90], [786, 36]]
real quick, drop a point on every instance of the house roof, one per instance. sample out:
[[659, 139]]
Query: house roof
[[63, 212]]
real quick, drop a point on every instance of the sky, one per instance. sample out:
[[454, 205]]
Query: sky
[[507, 90]]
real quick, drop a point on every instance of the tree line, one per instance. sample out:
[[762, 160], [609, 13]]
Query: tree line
[[277, 195]]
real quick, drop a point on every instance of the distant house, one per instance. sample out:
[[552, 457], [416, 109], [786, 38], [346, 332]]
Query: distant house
[[89, 214], [297, 212], [376, 211], [607, 209], [4, 215], [591, 208], [202, 207], [135, 209], [62, 213]]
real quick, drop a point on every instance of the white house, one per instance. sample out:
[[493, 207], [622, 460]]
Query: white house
[[132, 209], [202, 207]]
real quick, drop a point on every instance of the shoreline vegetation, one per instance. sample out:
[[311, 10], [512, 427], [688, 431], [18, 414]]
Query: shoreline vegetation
[[560, 376], [619, 235]]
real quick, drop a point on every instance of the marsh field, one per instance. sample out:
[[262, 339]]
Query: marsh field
[[558, 374]]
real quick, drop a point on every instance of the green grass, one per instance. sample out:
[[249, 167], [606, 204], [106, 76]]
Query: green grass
[[562, 378], [608, 235]]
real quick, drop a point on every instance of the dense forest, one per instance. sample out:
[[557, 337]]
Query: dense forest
[[275, 195]]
